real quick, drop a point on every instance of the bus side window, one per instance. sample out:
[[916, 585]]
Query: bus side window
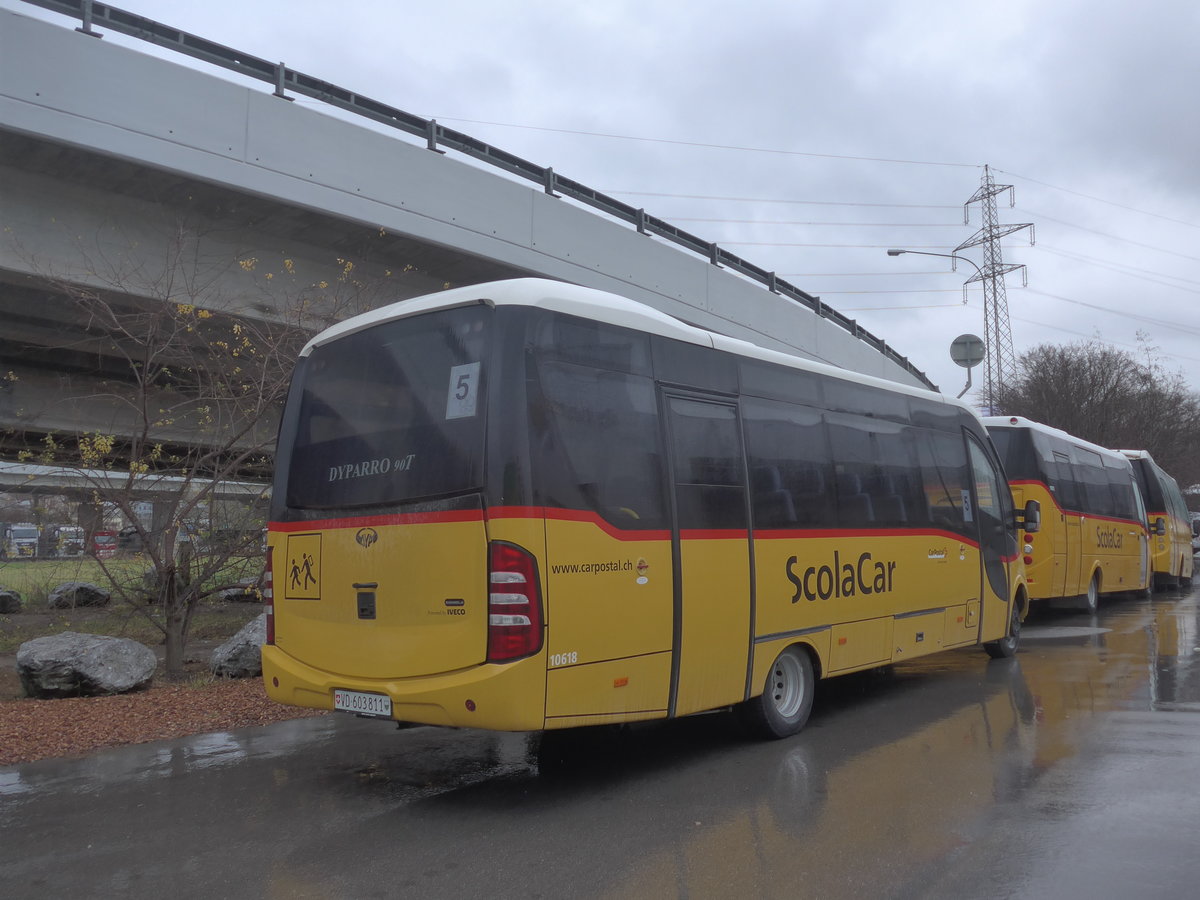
[[1120, 485], [1097, 496], [773, 503], [943, 464], [895, 485], [597, 444], [854, 462], [791, 441], [1068, 492]]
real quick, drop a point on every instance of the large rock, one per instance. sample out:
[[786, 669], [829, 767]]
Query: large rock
[[241, 655], [83, 665], [10, 600], [71, 594]]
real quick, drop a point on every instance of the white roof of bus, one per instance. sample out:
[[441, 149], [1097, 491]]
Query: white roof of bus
[[1022, 422], [602, 306]]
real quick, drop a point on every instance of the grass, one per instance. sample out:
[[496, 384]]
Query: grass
[[34, 579]]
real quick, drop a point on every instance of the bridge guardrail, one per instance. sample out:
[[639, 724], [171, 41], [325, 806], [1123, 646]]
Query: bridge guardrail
[[437, 136]]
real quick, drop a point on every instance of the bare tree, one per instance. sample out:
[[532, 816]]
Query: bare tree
[[1112, 398], [191, 383]]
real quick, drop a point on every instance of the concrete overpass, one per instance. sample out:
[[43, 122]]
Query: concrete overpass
[[134, 175]]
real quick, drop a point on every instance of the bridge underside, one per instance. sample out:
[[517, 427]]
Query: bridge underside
[[132, 181], [82, 225]]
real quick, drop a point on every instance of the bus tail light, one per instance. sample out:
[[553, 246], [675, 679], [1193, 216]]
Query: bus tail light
[[268, 596], [514, 603]]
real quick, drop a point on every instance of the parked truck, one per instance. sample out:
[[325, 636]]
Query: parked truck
[[18, 540], [62, 541]]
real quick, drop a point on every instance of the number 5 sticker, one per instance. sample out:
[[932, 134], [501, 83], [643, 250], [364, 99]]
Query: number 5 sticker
[[464, 385]]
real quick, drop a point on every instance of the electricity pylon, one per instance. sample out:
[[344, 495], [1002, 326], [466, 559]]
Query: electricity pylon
[[997, 330]]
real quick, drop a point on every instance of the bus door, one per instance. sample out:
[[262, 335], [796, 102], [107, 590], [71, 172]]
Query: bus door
[[1068, 538], [711, 553], [992, 514]]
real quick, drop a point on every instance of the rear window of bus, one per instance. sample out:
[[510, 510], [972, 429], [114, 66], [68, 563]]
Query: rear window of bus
[[390, 414]]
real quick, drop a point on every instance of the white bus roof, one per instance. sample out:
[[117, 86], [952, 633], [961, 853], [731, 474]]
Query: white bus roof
[[601, 306], [1137, 454], [1022, 422]]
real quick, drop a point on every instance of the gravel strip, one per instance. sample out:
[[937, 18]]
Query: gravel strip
[[38, 729]]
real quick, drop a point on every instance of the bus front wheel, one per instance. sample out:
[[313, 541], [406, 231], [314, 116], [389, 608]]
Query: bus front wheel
[[787, 698], [1006, 647]]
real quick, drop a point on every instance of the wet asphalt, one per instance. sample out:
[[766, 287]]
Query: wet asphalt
[[1071, 771]]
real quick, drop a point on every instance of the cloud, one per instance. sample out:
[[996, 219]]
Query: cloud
[[1085, 106]]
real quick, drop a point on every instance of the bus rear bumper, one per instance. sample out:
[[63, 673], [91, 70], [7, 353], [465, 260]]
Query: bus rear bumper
[[505, 697]]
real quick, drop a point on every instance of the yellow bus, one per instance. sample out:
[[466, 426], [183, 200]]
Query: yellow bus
[[1170, 521], [1094, 538], [527, 505]]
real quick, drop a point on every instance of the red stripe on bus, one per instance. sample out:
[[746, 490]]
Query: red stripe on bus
[[425, 518], [793, 533], [498, 513], [579, 515]]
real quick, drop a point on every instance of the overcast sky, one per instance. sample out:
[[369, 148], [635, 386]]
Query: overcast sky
[[809, 136]]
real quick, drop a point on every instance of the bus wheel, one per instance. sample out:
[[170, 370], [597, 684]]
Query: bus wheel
[[1147, 593], [1006, 647], [1092, 597], [787, 698]]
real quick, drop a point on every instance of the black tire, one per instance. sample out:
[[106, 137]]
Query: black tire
[[1151, 588], [787, 698], [1091, 600], [1007, 646]]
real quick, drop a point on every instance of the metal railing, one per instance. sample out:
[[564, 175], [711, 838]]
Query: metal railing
[[283, 79]]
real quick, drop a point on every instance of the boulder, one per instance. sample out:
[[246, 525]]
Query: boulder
[[10, 600], [241, 655], [83, 665], [72, 594]]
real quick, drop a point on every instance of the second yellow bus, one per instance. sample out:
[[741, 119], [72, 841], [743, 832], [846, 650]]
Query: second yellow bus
[[1094, 536]]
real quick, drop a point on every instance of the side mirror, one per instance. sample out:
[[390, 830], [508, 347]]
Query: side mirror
[[1031, 517], [1160, 526]]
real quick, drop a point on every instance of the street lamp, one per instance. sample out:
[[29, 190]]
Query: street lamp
[[967, 350], [954, 256]]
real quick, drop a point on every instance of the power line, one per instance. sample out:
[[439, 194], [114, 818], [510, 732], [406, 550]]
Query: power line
[[1150, 320], [813, 155], [859, 274], [740, 149], [847, 309], [822, 224], [1131, 271], [1105, 340], [823, 246], [1114, 237], [923, 291], [1112, 203], [777, 200]]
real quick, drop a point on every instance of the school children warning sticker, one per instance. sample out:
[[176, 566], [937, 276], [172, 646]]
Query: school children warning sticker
[[302, 580]]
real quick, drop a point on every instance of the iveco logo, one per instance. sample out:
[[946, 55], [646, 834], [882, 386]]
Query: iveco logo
[[366, 537]]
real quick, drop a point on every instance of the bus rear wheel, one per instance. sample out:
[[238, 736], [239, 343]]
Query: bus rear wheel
[[787, 698], [1092, 598]]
